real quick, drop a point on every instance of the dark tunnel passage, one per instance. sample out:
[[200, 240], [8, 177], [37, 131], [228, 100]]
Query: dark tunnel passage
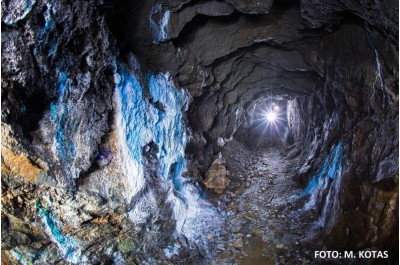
[[200, 132]]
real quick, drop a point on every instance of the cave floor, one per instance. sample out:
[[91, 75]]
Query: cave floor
[[269, 224]]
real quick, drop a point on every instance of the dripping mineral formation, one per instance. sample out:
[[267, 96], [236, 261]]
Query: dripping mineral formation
[[199, 132]]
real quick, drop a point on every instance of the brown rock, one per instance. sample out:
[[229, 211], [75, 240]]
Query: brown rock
[[14, 164], [100, 220], [238, 243], [216, 177], [4, 261]]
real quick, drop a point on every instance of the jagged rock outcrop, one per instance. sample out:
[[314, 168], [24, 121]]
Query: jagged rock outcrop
[[57, 76], [58, 61]]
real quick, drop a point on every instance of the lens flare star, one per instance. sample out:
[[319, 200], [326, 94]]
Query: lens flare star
[[271, 116], [272, 119]]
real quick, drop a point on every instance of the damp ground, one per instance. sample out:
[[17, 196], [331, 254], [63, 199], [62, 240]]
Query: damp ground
[[262, 217], [266, 222]]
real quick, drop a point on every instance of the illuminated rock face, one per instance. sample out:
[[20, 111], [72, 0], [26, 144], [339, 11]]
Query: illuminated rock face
[[343, 142], [112, 114], [216, 177]]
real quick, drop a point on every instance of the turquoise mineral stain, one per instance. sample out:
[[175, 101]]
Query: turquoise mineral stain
[[19, 257], [331, 169], [67, 244], [59, 119], [144, 122]]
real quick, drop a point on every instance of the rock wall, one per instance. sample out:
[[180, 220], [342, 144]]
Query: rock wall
[[58, 64], [350, 126], [57, 79], [93, 145]]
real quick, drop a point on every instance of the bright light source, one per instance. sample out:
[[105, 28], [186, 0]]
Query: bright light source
[[271, 116], [276, 108]]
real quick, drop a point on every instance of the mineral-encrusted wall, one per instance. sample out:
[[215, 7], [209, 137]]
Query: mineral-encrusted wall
[[92, 144], [347, 133], [58, 64], [57, 86]]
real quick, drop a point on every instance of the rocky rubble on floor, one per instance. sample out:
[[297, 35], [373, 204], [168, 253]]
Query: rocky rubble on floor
[[257, 213]]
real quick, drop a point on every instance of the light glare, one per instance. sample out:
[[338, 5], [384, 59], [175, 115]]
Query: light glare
[[271, 116]]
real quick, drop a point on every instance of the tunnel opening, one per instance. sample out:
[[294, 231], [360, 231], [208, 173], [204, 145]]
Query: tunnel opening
[[266, 124]]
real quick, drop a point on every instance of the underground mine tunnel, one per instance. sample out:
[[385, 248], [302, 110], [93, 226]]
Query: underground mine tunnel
[[199, 132]]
